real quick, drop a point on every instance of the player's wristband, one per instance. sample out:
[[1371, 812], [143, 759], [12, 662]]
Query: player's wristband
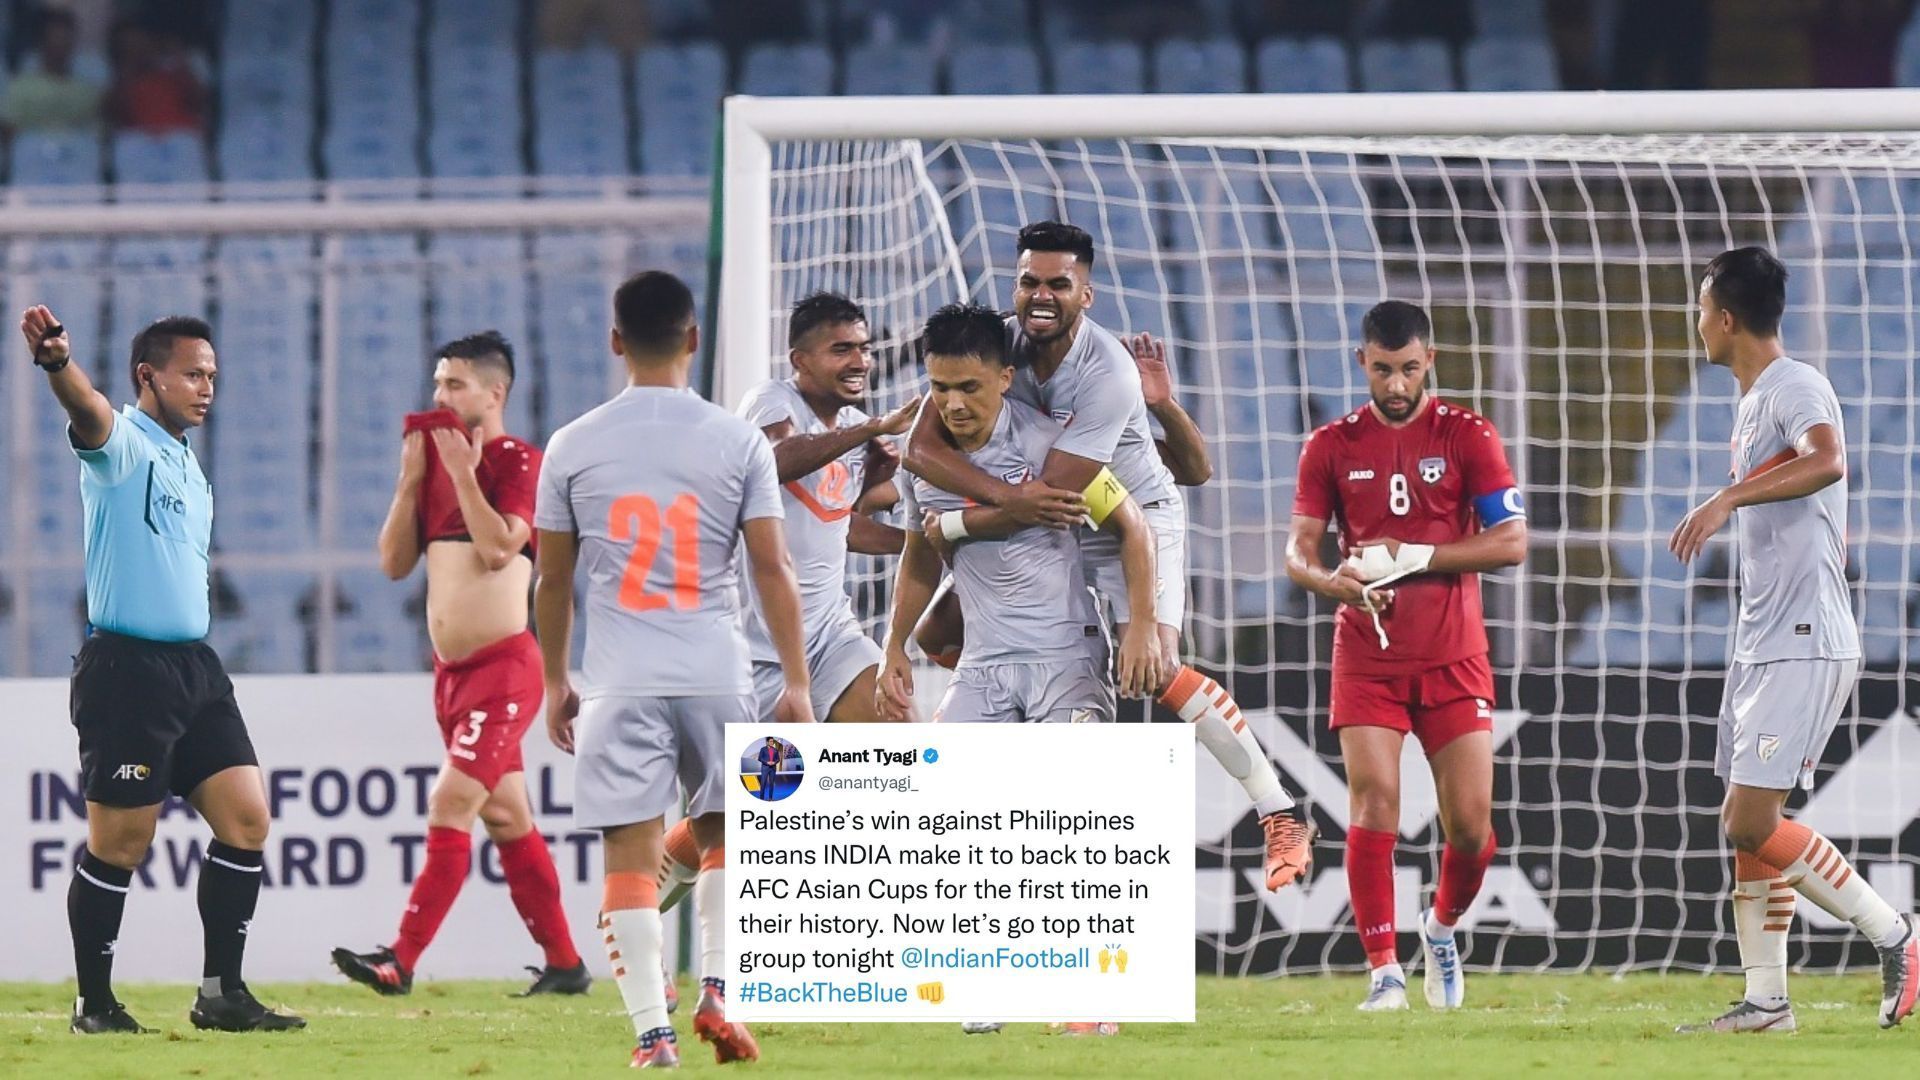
[[1103, 496], [953, 525]]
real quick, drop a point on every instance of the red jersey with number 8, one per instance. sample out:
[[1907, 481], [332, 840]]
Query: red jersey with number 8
[[1414, 484]]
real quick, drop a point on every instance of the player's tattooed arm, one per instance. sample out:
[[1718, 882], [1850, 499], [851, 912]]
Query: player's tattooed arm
[[553, 625], [913, 586], [1819, 461], [1305, 536], [795, 456], [89, 413], [1184, 450], [773, 579], [400, 533], [932, 456]]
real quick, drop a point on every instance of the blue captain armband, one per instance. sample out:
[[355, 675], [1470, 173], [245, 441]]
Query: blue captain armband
[[1498, 506]]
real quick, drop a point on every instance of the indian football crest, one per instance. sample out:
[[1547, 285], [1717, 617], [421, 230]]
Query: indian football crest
[[1432, 469], [1064, 416], [1017, 476]]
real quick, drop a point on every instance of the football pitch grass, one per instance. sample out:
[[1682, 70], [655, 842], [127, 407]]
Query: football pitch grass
[[1514, 1025]]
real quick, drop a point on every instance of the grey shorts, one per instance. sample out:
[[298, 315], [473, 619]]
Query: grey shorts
[[1072, 691], [628, 751], [835, 657], [1100, 552], [1775, 719]]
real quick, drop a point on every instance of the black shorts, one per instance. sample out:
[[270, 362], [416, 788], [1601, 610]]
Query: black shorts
[[153, 717]]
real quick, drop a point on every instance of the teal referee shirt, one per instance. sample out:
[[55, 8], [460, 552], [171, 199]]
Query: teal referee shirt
[[149, 513]]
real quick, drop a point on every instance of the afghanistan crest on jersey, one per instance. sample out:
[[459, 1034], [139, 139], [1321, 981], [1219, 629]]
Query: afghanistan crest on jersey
[[1432, 469]]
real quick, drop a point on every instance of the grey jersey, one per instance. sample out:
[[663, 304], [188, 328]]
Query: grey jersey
[[1024, 597], [818, 505], [1793, 554], [1096, 394], [657, 484]]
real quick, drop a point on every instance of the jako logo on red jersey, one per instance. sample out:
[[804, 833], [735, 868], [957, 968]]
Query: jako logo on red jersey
[[1360, 474]]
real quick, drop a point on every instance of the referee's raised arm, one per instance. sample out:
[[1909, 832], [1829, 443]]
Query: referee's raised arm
[[88, 411]]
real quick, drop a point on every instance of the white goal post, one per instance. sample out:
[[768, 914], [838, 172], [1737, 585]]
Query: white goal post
[[1556, 238]]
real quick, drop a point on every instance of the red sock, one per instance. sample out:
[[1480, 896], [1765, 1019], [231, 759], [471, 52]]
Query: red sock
[[1460, 877], [1370, 889], [449, 857], [535, 888]]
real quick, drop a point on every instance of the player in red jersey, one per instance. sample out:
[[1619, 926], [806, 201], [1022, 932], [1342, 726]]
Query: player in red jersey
[[465, 501], [1424, 501]]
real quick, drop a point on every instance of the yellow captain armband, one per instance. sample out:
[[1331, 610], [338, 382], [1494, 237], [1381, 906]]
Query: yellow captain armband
[[1103, 496]]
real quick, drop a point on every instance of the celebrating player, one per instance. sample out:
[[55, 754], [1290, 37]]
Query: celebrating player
[[1026, 656], [830, 455], [1425, 502], [1072, 369], [653, 492], [151, 703], [465, 498], [1796, 650]]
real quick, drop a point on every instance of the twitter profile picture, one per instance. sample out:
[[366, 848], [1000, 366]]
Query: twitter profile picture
[[771, 768]]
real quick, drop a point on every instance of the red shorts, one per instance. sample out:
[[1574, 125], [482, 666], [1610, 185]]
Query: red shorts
[[1436, 706], [485, 702]]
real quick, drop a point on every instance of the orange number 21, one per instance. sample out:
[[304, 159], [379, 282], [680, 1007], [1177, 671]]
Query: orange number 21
[[638, 518]]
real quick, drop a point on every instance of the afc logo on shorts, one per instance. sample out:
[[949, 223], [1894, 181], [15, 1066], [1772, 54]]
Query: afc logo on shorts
[[132, 772]]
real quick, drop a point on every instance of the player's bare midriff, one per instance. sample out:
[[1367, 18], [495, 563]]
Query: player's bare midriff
[[468, 606]]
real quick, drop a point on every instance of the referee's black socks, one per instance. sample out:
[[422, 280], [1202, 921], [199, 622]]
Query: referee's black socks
[[96, 898], [229, 891]]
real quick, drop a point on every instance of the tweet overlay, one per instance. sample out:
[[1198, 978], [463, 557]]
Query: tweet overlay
[[960, 873]]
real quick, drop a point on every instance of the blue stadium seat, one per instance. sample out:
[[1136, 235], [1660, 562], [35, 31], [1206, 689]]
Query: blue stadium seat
[[474, 98], [260, 629], [994, 69], [1405, 66], [153, 278], [275, 28], [896, 68], [260, 147], [1304, 66], [1104, 67], [677, 91], [787, 71], [1906, 57], [1510, 19], [375, 628], [58, 600], [582, 128], [1503, 64], [467, 23], [478, 283], [1214, 66], [177, 158], [55, 158]]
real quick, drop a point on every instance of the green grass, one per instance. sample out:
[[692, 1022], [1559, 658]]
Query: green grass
[[1518, 1025]]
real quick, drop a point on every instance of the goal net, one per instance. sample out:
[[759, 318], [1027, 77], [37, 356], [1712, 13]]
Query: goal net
[[1560, 272]]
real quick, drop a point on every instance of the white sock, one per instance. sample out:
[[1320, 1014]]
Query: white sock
[[633, 947], [710, 900], [1379, 975], [1436, 929], [1762, 919], [1218, 725], [1824, 876]]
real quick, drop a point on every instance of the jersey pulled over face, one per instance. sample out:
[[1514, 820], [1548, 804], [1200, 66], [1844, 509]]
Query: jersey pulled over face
[[1792, 554], [509, 473], [1414, 484], [818, 506], [657, 484], [1025, 597], [1095, 394]]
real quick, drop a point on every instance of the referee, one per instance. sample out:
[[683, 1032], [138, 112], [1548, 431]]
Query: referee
[[153, 708]]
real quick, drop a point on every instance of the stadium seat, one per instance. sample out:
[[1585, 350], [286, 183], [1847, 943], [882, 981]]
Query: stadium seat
[[177, 158], [787, 71], [55, 158], [1405, 66], [259, 147], [58, 600], [1103, 67], [153, 278], [1906, 57], [376, 626], [994, 69], [574, 275], [677, 92], [270, 28], [479, 283], [1505, 19], [1303, 66], [1506, 64], [582, 121], [890, 69], [469, 23], [258, 623], [1215, 66]]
